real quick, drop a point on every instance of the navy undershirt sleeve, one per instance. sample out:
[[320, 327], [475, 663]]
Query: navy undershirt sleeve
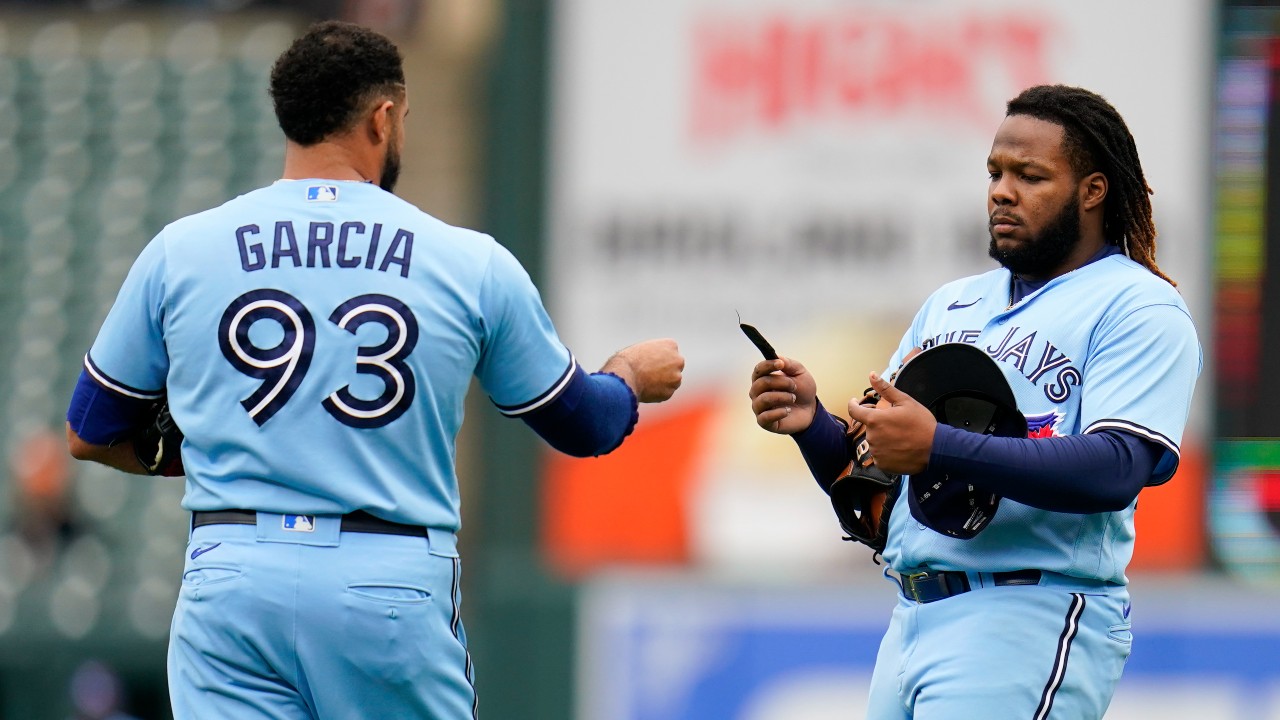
[[823, 447], [591, 416], [102, 417], [1097, 472]]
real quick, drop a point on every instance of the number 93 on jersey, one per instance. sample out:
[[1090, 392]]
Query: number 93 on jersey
[[282, 367]]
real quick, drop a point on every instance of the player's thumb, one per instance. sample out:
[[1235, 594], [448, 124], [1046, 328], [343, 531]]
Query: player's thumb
[[859, 412], [792, 367], [888, 391]]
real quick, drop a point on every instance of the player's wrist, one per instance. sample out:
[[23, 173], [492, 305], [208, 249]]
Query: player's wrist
[[814, 420], [621, 367]]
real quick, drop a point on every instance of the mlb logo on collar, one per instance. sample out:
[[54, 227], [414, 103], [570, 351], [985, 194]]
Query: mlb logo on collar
[[322, 193], [298, 523]]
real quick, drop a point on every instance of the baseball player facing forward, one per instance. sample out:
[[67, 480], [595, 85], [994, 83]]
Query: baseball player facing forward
[[1029, 618], [315, 340]]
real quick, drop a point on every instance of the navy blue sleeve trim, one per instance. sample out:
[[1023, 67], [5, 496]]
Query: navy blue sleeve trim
[[590, 416], [824, 448], [116, 386], [1136, 429], [102, 416], [1098, 472], [1167, 464], [549, 395]]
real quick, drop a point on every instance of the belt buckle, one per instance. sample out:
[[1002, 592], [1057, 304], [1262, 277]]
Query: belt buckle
[[909, 587]]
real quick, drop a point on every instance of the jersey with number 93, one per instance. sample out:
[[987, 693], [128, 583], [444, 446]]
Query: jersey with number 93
[[316, 340]]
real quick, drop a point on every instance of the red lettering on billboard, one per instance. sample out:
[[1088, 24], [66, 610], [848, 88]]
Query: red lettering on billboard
[[773, 72]]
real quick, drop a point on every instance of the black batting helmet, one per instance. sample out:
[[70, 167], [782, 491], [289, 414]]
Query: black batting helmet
[[964, 388]]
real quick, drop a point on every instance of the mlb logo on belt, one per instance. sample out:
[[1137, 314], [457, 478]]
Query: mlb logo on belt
[[322, 193], [299, 523]]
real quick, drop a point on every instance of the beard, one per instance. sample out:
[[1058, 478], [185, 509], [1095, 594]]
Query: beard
[[1047, 250], [390, 169]]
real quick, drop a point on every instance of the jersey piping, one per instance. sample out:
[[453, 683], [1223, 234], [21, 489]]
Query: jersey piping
[[455, 622], [551, 393], [116, 386], [1069, 630], [1136, 429]]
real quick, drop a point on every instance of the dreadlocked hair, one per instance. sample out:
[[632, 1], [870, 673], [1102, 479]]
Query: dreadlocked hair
[[1095, 138]]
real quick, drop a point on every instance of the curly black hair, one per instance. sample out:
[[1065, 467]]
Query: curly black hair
[[1096, 138], [321, 83]]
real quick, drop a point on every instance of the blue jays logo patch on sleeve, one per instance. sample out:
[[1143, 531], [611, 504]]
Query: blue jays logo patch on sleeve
[[322, 193]]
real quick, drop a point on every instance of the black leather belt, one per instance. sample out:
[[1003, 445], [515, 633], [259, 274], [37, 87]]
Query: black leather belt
[[358, 521], [932, 585]]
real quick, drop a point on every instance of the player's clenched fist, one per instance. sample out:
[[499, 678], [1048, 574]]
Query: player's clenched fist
[[784, 396], [653, 368]]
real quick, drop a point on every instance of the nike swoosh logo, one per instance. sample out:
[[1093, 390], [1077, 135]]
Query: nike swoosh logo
[[1127, 607], [202, 550], [957, 304]]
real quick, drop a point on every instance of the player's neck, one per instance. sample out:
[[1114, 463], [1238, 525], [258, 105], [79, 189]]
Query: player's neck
[[1085, 252], [326, 160]]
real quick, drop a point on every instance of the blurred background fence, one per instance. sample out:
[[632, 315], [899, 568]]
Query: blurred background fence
[[109, 128], [659, 166]]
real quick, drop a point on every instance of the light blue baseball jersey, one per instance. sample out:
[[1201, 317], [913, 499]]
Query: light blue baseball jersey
[[1106, 346], [316, 340]]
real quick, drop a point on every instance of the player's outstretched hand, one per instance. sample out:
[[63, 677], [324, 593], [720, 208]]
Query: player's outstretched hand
[[899, 431], [784, 396], [653, 369]]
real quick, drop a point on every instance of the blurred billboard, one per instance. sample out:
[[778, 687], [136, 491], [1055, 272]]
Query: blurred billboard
[[1244, 498]]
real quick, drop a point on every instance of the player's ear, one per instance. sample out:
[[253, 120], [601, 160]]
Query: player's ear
[[1093, 190], [380, 122]]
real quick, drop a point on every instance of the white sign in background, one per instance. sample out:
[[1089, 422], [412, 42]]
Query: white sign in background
[[681, 645], [819, 167]]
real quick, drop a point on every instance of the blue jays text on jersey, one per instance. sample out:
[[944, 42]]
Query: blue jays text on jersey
[[1017, 348]]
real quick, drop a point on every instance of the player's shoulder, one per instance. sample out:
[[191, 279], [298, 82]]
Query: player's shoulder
[[423, 224], [232, 211], [439, 228], [198, 221], [1133, 284]]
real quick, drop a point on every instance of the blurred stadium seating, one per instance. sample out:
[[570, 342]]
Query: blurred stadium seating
[[109, 128]]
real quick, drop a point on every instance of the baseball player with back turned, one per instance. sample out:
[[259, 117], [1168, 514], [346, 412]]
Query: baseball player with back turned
[[315, 340], [1029, 618]]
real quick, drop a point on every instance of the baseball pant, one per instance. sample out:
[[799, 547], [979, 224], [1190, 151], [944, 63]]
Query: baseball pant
[[1053, 651], [294, 620]]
